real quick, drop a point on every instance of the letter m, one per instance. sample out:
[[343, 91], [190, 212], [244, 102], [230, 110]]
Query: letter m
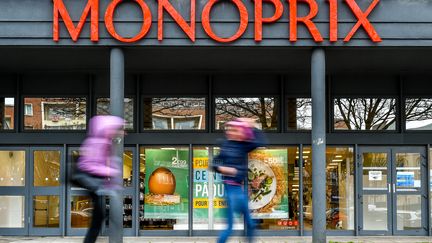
[[60, 10]]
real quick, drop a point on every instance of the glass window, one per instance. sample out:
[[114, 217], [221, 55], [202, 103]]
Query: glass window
[[264, 110], [273, 183], [299, 113], [46, 211], [28, 110], [46, 168], [127, 211], [56, 114], [7, 113], [103, 108], [164, 188], [208, 201], [340, 188], [418, 114], [127, 168], [12, 171], [174, 113], [364, 114], [12, 211], [81, 211]]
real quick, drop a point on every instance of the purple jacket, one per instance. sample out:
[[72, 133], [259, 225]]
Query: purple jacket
[[95, 152]]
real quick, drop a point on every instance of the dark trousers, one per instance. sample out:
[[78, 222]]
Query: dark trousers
[[97, 218]]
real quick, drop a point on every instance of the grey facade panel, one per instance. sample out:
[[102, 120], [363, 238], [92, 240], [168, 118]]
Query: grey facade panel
[[398, 22]]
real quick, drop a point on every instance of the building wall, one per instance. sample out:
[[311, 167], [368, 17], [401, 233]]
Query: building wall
[[398, 22]]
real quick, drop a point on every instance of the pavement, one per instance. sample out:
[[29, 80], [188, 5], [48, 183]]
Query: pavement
[[288, 239]]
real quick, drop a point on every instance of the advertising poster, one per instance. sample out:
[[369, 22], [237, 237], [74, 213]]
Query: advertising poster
[[267, 183], [167, 180], [203, 192]]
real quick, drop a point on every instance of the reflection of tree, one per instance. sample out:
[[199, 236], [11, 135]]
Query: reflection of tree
[[365, 113], [418, 109], [262, 109], [377, 114], [299, 113], [171, 107], [177, 106], [67, 107]]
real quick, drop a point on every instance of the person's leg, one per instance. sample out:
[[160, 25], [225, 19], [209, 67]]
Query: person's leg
[[229, 215], [97, 219], [250, 224]]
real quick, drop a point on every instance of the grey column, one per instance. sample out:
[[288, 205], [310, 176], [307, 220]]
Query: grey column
[[117, 109], [318, 146]]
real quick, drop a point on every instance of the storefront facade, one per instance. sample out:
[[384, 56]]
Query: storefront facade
[[184, 81]]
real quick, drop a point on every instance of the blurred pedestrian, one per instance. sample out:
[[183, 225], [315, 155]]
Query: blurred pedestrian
[[241, 138], [98, 169]]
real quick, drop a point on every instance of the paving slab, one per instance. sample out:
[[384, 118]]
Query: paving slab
[[288, 239]]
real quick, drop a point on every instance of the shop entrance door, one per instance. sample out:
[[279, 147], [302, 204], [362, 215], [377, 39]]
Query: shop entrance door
[[392, 191], [46, 191], [31, 191]]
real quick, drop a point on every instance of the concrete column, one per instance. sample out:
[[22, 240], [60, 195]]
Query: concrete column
[[117, 109], [318, 145]]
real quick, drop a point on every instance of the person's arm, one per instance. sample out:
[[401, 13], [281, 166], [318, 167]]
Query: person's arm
[[227, 171], [259, 140]]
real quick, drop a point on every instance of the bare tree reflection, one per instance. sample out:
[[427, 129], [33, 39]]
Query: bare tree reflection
[[264, 110], [365, 114]]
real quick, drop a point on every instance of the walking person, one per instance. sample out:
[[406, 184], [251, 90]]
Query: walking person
[[241, 138], [97, 169]]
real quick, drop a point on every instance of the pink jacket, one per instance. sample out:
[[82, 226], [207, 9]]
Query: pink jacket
[[95, 152]]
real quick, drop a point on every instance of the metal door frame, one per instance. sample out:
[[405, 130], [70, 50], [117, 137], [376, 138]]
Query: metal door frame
[[70, 192], [391, 191], [422, 192], [361, 193], [45, 191], [18, 191]]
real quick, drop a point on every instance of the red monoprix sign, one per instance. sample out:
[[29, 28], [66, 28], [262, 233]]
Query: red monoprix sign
[[164, 6]]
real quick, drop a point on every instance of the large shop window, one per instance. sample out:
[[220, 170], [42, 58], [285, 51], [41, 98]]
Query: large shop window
[[273, 185], [273, 190], [103, 108], [263, 109], [164, 188], [340, 188], [7, 113], [299, 112], [174, 113], [55, 114], [208, 193], [364, 114], [82, 207], [418, 114]]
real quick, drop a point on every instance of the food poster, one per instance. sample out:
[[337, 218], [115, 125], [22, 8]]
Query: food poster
[[167, 180], [267, 183], [202, 191]]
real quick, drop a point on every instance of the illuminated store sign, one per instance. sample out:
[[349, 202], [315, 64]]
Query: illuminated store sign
[[164, 6]]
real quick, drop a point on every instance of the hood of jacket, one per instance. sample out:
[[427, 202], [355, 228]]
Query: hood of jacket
[[104, 126]]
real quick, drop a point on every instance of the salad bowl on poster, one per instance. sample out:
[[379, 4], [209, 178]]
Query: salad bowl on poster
[[262, 184]]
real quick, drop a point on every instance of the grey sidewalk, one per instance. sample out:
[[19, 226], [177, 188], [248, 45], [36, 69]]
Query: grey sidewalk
[[369, 239]]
